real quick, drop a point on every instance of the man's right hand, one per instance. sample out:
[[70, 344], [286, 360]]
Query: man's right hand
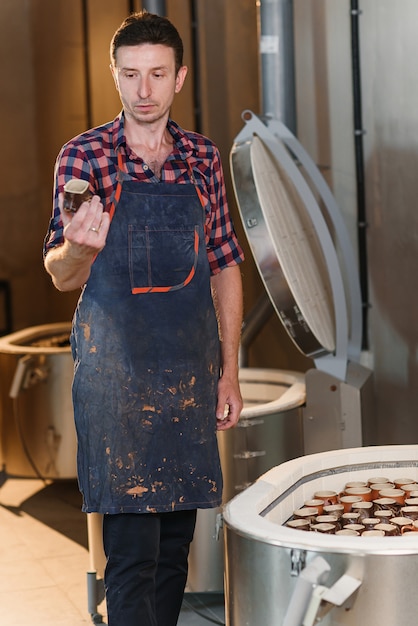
[[85, 234], [87, 228]]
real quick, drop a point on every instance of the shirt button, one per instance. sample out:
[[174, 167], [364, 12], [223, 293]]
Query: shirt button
[[145, 167]]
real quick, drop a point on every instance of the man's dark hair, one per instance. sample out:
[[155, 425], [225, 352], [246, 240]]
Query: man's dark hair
[[144, 27]]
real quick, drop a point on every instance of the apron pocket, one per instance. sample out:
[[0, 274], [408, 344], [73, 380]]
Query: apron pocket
[[161, 260]]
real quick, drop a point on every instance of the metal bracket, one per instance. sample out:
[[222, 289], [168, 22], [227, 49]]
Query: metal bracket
[[219, 525], [311, 600], [298, 561], [324, 599], [95, 594], [249, 454]]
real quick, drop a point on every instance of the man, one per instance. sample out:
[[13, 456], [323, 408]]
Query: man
[[152, 251]]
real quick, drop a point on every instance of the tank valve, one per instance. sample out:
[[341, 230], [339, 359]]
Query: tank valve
[[27, 374]]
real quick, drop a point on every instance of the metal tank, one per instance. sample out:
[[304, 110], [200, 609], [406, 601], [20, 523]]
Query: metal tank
[[38, 436], [269, 431], [270, 428]]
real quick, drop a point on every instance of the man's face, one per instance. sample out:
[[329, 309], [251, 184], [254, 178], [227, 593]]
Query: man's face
[[146, 79]]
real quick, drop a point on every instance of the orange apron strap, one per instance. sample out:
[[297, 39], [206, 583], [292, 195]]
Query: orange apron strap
[[117, 195], [199, 193], [118, 190]]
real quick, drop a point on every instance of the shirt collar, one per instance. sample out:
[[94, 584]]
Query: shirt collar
[[183, 146]]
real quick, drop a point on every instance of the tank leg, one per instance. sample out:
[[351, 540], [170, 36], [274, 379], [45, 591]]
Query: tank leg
[[94, 597]]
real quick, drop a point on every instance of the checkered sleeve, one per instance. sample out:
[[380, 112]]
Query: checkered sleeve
[[222, 244]]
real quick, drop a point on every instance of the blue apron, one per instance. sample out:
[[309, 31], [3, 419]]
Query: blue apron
[[146, 351]]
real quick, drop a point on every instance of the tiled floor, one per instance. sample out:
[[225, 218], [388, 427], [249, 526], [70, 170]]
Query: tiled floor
[[44, 560]]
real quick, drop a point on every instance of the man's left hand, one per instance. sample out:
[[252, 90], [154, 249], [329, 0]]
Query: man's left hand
[[230, 403]]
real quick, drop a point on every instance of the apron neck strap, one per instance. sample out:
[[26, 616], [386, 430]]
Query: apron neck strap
[[118, 189], [192, 178]]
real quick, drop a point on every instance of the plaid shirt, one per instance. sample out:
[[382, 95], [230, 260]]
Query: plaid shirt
[[92, 156]]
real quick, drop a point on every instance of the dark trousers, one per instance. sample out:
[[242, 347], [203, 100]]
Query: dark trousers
[[146, 568]]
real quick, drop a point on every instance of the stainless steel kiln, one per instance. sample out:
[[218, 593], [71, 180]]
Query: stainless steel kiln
[[36, 415], [278, 575], [269, 431]]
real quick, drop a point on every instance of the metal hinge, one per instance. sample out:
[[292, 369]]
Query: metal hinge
[[297, 561]]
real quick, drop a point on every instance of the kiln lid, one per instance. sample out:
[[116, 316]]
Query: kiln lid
[[277, 185]]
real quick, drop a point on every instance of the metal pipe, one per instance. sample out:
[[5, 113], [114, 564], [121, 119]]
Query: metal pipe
[[154, 6], [359, 164], [197, 101], [86, 46], [277, 61], [253, 323], [278, 101]]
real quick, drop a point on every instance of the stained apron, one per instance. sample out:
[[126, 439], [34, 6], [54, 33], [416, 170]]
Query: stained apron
[[146, 351]]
